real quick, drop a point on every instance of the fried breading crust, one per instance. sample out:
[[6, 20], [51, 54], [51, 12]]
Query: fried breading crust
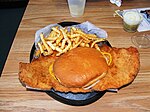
[[122, 71], [36, 73]]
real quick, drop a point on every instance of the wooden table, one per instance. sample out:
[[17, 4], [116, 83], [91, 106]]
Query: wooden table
[[40, 13]]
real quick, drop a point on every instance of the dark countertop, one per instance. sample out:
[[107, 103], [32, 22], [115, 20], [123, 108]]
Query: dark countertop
[[11, 13]]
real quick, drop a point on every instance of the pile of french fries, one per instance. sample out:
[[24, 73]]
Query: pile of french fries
[[60, 40]]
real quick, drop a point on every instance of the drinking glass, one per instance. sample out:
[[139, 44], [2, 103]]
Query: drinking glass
[[131, 20], [141, 39], [76, 7]]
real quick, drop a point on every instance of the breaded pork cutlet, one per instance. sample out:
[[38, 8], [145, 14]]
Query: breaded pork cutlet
[[40, 73]]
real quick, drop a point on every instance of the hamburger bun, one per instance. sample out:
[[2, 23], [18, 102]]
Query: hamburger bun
[[80, 67]]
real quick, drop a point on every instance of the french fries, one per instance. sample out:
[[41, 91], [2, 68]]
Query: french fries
[[62, 40]]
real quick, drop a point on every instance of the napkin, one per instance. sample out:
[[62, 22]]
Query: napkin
[[117, 2]]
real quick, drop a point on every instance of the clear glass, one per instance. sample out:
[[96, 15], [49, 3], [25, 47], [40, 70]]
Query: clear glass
[[76, 7], [141, 40], [131, 20]]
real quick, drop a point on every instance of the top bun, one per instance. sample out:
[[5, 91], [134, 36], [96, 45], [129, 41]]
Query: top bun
[[79, 66]]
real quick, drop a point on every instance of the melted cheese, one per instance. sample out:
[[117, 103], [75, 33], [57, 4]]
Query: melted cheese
[[52, 73], [107, 57]]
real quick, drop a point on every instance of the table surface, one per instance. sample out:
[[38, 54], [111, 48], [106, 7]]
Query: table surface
[[40, 13]]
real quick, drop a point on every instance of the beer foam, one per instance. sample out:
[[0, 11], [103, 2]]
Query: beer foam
[[132, 17]]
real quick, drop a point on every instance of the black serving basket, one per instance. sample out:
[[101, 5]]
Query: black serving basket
[[74, 99]]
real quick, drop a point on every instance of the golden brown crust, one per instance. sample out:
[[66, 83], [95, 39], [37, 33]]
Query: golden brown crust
[[123, 71], [79, 66], [36, 74]]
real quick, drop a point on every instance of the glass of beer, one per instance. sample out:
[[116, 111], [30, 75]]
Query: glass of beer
[[131, 20], [76, 7]]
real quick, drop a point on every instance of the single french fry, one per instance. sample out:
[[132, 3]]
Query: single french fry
[[59, 53], [77, 39], [37, 53], [51, 38], [87, 45], [54, 47], [68, 46], [58, 40], [65, 30], [83, 35], [63, 43], [77, 44], [73, 29], [86, 41], [92, 36], [64, 34], [59, 49], [51, 45], [73, 43], [72, 39], [49, 50], [74, 35], [82, 44], [56, 30], [88, 36], [60, 44], [40, 47], [52, 34]]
